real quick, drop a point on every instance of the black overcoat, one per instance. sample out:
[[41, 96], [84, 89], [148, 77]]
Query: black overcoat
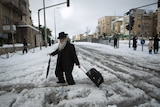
[[134, 42], [156, 44], [66, 59]]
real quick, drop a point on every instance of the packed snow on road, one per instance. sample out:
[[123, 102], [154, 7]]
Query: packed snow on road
[[131, 78]]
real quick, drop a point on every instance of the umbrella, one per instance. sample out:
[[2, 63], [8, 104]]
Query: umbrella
[[48, 66]]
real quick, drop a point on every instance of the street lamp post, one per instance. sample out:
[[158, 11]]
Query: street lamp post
[[12, 30], [45, 32], [68, 4], [39, 20], [55, 24], [39, 26]]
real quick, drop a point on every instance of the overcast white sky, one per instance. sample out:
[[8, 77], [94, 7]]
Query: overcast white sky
[[82, 13]]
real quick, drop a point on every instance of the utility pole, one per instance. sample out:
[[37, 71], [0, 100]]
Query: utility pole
[[39, 26], [55, 25], [158, 30], [68, 4], [45, 31]]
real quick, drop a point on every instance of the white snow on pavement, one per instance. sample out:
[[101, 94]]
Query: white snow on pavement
[[23, 80]]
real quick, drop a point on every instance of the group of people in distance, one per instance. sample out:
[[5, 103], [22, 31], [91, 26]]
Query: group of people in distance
[[153, 44]]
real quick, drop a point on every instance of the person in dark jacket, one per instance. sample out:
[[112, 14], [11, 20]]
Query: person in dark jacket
[[66, 59], [25, 46], [156, 44], [134, 42], [115, 42]]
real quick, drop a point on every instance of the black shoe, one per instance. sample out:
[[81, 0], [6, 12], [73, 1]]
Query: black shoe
[[71, 83], [60, 81]]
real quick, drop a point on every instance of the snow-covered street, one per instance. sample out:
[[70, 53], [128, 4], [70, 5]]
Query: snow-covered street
[[131, 78]]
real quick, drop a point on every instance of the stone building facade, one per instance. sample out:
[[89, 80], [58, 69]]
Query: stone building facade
[[145, 24], [16, 23], [104, 24]]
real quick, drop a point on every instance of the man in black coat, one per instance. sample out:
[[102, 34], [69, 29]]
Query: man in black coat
[[65, 61], [24, 46], [115, 42], [134, 42], [156, 44]]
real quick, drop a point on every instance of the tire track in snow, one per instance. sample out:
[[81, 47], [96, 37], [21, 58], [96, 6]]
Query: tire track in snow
[[117, 65]]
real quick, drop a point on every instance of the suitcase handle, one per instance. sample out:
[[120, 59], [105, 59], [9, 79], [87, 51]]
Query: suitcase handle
[[83, 69]]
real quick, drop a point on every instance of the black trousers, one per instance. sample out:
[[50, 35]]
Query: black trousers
[[60, 71], [25, 50], [155, 50]]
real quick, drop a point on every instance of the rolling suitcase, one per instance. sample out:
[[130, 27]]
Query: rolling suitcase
[[95, 76]]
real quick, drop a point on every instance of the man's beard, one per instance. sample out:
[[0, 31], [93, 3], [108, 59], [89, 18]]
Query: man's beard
[[62, 44]]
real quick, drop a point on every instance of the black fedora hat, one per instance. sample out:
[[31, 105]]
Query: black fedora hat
[[62, 35]]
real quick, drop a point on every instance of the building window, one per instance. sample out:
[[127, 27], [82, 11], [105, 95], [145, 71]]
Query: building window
[[5, 20], [21, 18], [139, 26]]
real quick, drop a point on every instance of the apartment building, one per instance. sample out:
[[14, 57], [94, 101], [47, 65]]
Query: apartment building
[[104, 25], [116, 26], [16, 23], [79, 37], [145, 24]]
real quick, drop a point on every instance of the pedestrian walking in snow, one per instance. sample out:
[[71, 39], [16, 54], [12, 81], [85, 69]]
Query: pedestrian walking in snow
[[156, 44], [115, 42], [24, 46], [150, 45], [134, 42], [66, 59]]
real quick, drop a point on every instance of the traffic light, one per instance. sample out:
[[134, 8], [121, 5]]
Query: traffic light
[[131, 21], [68, 3], [127, 27]]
